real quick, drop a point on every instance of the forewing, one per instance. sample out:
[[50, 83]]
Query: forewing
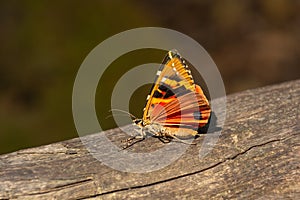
[[174, 99]]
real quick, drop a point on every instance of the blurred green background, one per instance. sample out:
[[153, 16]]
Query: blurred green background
[[43, 43]]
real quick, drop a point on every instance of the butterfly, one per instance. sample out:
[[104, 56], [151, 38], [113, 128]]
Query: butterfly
[[176, 107]]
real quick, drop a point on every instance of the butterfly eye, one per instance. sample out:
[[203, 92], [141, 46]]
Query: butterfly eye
[[137, 121]]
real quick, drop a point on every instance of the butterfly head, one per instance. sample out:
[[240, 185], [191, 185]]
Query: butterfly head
[[137, 121], [141, 122]]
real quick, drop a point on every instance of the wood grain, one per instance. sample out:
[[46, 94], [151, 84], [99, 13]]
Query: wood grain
[[257, 156]]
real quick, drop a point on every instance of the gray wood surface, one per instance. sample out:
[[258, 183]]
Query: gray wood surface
[[257, 156]]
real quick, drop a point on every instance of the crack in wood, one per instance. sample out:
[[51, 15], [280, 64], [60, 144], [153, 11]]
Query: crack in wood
[[60, 187], [193, 173]]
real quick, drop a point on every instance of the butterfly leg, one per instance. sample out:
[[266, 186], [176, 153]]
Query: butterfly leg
[[134, 139], [130, 141], [164, 140], [168, 139]]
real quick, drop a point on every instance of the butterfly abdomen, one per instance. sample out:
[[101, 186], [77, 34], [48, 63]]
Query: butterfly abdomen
[[182, 133]]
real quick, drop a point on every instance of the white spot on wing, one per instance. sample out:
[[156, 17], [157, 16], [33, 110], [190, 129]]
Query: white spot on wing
[[173, 65], [158, 73], [148, 97], [174, 69], [163, 79]]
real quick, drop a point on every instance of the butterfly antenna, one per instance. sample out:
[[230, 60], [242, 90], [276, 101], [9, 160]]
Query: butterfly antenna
[[123, 111], [108, 116]]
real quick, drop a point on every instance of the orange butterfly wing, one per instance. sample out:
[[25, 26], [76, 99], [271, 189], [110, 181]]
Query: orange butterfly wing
[[175, 100]]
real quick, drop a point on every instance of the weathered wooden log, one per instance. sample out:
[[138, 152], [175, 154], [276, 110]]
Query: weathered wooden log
[[257, 156]]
